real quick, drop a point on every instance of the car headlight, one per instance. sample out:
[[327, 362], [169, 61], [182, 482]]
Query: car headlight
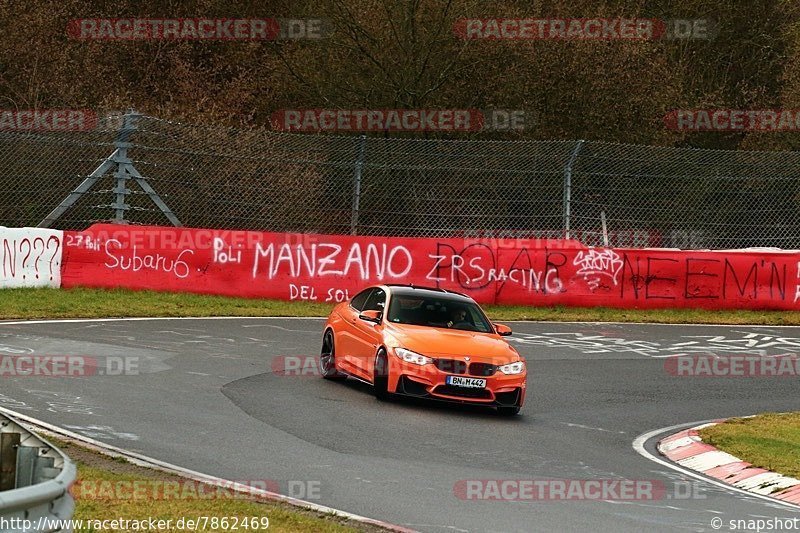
[[412, 357], [512, 368]]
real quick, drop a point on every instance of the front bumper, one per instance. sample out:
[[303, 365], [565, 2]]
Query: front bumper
[[428, 382]]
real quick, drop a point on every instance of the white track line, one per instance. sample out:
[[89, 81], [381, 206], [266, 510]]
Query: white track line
[[149, 462], [638, 445]]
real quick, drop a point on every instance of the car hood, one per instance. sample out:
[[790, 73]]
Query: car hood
[[437, 342]]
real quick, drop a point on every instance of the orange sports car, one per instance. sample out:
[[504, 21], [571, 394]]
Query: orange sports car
[[423, 342]]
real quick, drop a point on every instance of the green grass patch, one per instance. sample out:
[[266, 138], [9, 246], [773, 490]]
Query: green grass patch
[[768, 441], [101, 303], [109, 489]]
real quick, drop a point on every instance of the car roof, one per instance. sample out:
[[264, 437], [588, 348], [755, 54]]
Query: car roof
[[428, 292]]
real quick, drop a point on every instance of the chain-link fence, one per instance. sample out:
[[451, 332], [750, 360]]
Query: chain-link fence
[[622, 195]]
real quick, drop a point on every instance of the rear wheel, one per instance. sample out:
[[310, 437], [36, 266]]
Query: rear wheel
[[327, 358], [380, 375]]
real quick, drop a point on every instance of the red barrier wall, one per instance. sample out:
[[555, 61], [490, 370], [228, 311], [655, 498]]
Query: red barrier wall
[[329, 268]]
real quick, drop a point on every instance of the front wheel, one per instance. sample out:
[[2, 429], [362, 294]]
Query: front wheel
[[327, 359], [380, 376]]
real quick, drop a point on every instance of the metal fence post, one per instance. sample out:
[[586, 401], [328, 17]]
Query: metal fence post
[[122, 144], [362, 141], [604, 228], [568, 187]]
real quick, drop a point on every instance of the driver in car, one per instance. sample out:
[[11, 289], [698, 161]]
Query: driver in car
[[458, 319]]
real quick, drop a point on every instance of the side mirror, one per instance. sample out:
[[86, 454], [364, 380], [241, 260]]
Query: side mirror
[[371, 316], [502, 330]]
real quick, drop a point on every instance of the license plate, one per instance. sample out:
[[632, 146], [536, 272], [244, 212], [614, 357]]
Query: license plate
[[472, 383]]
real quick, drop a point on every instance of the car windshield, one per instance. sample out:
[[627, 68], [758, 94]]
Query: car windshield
[[437, 313]]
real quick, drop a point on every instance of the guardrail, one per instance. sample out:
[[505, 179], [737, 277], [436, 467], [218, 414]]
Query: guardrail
[[35, 477]]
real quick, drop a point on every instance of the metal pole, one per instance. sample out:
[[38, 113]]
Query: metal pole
[[362, 141], [122, 143], [568, 188], [605, 229]]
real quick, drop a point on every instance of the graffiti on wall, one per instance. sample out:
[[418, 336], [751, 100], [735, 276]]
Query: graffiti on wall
[[335, 267], [30, 257]]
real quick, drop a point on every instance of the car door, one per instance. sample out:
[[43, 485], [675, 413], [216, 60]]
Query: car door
[[368, 335], [346, 343]]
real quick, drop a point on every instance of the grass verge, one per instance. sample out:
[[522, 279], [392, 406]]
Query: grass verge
[[769, 440], [99, 303], [111, 489]]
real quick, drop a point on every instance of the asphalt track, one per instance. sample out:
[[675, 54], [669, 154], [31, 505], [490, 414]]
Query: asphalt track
[[204, 397]]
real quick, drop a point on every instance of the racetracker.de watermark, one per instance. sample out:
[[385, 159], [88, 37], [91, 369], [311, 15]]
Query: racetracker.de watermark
[[576, 490], [733, 366], [189, 489], [296, 366], [70, 366], [43, 120], [397, 120], [581, 29], [763, 120], [194, 29]]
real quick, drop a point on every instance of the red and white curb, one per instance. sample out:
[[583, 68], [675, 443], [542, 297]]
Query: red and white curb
[[687, 449]]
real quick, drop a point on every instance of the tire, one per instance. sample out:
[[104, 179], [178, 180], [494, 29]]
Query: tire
[[327, 359], [508, 410], [380, 376]]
